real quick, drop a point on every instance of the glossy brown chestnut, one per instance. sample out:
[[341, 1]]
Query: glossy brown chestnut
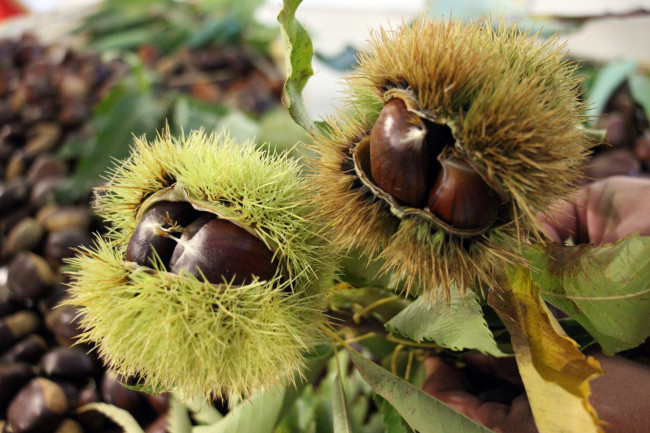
[[16, 326], [29, 349], [38, 407], [220, 251], [461, 198], [399, 155], [69, 363], [149, 237], [12, 378]]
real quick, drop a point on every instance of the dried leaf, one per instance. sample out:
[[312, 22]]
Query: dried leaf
[[555, 374]]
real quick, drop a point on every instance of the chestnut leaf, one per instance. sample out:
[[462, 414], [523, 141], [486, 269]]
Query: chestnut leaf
[[456, 325], [606, 289], [298, 54], [420, 410]]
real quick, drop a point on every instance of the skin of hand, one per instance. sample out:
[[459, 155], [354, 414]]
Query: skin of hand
[[620, 396], [602, 212], [599, 213]]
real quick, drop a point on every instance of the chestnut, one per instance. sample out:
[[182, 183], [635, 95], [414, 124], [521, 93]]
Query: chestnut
[[150, 236], [461, 197], [200, 244], [16, 326], [29, 276], [399, 155], [70, 363], [114, 392], [38, 407], [30, 349], [12, 379], [222, 252]]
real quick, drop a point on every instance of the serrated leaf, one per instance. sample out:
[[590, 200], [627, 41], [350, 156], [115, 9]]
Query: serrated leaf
[[121, 417], [178, 418], [263, 412], [606, 289], [340, 410], [298, 54], [458, 325], [609, 78], [420, 410], [640, 90], [555, 374]]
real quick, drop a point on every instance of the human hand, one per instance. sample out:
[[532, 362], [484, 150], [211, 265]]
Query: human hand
[[620, 397], [602, 212]]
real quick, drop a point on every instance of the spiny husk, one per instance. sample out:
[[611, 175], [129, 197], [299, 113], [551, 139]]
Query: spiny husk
[[181, 333], [513, 106]]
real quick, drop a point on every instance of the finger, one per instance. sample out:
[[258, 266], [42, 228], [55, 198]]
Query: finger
[[441, 376], [567, 219]]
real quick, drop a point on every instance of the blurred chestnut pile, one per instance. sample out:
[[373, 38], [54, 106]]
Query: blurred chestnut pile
[[626, 151], [46, 95], [219, 74]]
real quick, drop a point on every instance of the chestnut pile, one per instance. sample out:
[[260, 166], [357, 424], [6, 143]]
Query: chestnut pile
[[220, 75], [627, 151], [46, 95]]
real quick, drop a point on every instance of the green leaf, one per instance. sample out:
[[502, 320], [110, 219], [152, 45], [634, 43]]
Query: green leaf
[[147, 388], [263, 412], [457, 325], [298, 55], [606, 82], [121, 417], [640, 89], [178, 418], [340, 411], [420, 410], [391, 418], [606, 288]]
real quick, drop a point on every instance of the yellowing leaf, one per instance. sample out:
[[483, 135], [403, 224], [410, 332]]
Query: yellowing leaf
[[555, 374]]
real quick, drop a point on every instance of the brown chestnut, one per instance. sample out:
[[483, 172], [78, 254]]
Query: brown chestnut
[[29, 275], [37, 408], [220, 251], [30, 349], [461, 198], [114, 392], [399, 155], [16, 326], [70, 363], [150, 234], [12, 379]]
